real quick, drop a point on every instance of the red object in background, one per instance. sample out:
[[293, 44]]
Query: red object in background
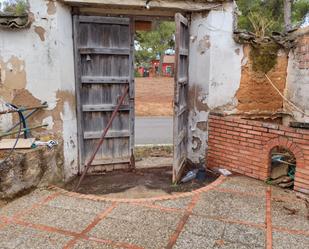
[[167, 66]]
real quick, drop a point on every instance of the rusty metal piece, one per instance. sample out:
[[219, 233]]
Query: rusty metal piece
[[109, 124]]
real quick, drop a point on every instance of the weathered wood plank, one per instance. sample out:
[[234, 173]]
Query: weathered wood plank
[[139, 14], [112, 51], [104, 108], [110, 134], [181, 95], [104, 80], [104, 50], [110, 161], [21, 144], [105, 20], [178, 5], [77, 65]]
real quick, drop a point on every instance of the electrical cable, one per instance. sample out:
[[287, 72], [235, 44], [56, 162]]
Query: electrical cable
[[16, 141], [22, 119]]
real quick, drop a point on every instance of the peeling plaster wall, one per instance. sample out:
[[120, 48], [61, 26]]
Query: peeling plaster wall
[[37, 65], [255, 93], [214, 73], [297, 89]]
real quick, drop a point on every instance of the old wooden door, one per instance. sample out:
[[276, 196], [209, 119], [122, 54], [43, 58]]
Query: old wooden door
[[104, 49], [181, 96]]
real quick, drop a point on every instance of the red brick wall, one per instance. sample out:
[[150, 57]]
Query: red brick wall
[[244, 146]]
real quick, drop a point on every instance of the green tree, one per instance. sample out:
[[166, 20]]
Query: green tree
[[271, 12], [150, 44]]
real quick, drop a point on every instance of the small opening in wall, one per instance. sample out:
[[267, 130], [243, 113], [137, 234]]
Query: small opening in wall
[[283, 166]]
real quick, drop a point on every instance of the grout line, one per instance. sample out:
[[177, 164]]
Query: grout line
[[49, 229], [269, 235], [26, 211], [97, 219], [44, 228], [232, 221], [161, 208], [183, 221], [37, 205], [290, 231]]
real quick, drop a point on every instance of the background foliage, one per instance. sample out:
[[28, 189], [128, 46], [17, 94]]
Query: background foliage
[[152, 44], [271, 12]]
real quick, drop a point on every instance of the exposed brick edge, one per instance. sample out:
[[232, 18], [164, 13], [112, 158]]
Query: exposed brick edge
[[159, 198]]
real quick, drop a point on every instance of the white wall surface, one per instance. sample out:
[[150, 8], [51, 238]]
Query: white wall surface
[[49, 65], [214, 72]]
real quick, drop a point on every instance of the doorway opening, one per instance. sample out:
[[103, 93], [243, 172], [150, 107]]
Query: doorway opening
[[283, 167], [106, 97], [154, 93]]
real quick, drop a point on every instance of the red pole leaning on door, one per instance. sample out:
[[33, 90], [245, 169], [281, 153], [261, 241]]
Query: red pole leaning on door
[[109, 124]]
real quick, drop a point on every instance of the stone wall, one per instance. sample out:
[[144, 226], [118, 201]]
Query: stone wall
[[244, 147], [28, 169]]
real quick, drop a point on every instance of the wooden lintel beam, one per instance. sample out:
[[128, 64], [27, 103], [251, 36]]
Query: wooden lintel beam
[[184, 5]]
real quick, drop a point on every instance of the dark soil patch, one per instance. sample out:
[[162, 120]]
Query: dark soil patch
[[151, 181]]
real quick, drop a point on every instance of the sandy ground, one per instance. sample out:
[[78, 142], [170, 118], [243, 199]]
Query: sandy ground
[[154, 96], [234, 212]]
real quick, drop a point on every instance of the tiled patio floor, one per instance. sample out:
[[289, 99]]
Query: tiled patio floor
[[235, 212]]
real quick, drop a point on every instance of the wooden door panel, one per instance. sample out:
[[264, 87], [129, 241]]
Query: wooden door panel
[[104, 49], [181, 96]]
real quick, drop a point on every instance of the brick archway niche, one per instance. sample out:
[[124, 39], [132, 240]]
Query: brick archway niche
[[244, 146], [293, 148]]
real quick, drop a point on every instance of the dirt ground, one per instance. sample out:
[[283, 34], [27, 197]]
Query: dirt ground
[[143, 183], [154, 96]]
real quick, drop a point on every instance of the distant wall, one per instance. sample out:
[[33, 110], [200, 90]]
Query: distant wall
[[37, 65]]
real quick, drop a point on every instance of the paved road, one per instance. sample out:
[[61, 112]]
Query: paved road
[[153, 130]]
